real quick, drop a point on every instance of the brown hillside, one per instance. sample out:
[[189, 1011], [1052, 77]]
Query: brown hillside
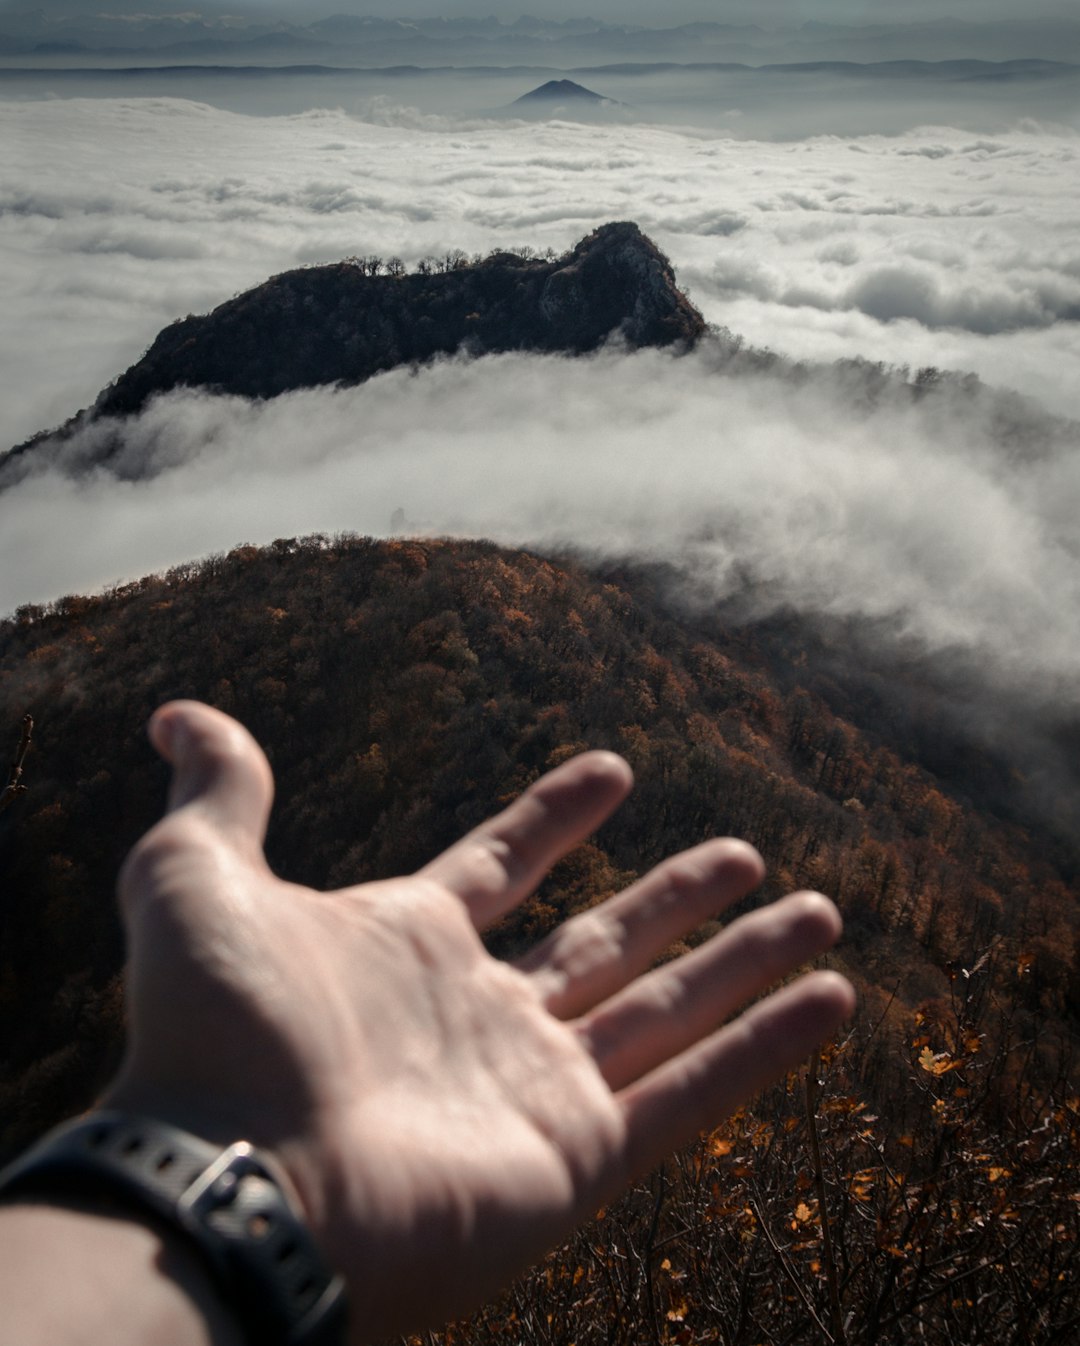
[[401, 690]]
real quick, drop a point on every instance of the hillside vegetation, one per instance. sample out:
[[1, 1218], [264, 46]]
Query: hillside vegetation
[[402, 690]]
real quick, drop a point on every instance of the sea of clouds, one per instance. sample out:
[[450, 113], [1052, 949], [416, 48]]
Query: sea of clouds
[[933, 247]]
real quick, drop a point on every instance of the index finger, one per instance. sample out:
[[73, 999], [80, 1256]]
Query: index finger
[[500, 862]]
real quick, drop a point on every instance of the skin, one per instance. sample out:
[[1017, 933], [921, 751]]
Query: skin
[[444, 1117]]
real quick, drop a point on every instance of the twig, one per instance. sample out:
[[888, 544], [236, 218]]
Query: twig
[[786, 1268], [14, 786], [828, 1256]]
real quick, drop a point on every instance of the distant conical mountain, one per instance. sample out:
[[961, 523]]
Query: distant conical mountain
[[563, 98], [561, 91], [344, 323]]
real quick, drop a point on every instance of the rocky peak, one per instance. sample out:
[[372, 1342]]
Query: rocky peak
[[618, 273], [344, 323]]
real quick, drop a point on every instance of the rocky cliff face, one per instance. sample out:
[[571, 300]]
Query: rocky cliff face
[[334, 324], [341, 325]]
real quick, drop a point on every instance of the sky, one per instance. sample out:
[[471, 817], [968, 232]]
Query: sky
[[621, 11], [950, 244], [726, 11], [775, 12]]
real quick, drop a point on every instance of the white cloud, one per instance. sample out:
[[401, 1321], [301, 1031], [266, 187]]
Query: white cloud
[[901, 509], [118, 215], [932, 248]]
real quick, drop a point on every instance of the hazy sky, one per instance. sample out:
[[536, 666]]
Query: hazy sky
[[725, 11], [629, 11]]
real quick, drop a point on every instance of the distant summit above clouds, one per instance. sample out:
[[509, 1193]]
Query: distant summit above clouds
[[560, 91], [344, 323], [564, 99]]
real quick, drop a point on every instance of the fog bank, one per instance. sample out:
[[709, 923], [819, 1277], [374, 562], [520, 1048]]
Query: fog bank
[[915, 510], [931, 248]]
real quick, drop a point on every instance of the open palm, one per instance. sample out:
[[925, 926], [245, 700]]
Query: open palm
[[445, 1117]]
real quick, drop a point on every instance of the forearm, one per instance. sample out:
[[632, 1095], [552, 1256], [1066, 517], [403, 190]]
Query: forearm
[[74, 1276]]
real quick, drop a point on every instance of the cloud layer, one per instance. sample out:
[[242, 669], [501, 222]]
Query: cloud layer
[[835, 500], [934, 247], [931, 248]]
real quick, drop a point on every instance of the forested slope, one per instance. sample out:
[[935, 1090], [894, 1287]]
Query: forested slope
[[403, 689]]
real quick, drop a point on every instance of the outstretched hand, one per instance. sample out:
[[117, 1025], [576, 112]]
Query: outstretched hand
[[446, 1117]]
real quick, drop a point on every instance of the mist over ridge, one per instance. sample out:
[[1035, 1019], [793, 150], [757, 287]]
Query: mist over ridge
[[816, 248]]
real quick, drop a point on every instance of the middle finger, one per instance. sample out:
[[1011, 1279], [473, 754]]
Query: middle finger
[[593, 954]]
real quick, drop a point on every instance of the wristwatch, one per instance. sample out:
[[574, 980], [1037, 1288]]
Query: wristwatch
[[232, 1205]]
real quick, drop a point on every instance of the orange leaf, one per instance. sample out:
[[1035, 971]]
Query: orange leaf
[[928, 1061], [937, 1065]]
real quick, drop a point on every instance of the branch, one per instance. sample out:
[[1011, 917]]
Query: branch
[[14, 786], [828, 1255], [786, 1268]]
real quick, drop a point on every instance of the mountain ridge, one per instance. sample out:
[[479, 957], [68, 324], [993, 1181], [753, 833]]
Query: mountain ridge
[[347, 321], [37, 33]]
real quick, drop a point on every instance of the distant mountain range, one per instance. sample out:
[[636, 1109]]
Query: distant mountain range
[[47, 36], [344, 323]]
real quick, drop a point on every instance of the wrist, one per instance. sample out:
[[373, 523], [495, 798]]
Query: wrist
[[210, 1114], [232, 1208], [74, 1272]]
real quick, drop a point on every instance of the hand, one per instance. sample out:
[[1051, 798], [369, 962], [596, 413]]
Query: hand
[[445, 1117]]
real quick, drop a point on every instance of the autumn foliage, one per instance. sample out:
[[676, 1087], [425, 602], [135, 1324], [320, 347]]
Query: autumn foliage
[[918, 1183]]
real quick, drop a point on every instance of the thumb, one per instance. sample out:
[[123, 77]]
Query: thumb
[[218, 768]]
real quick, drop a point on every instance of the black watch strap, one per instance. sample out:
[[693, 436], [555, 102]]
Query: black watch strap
[[233, 1204]]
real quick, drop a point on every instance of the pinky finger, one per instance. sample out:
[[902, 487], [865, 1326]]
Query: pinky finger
[[695, 1090]]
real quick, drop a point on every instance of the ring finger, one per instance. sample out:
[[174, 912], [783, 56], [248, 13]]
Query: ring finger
[[673, 1007]]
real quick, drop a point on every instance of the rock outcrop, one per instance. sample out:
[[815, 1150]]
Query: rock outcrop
[[340, 324]]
